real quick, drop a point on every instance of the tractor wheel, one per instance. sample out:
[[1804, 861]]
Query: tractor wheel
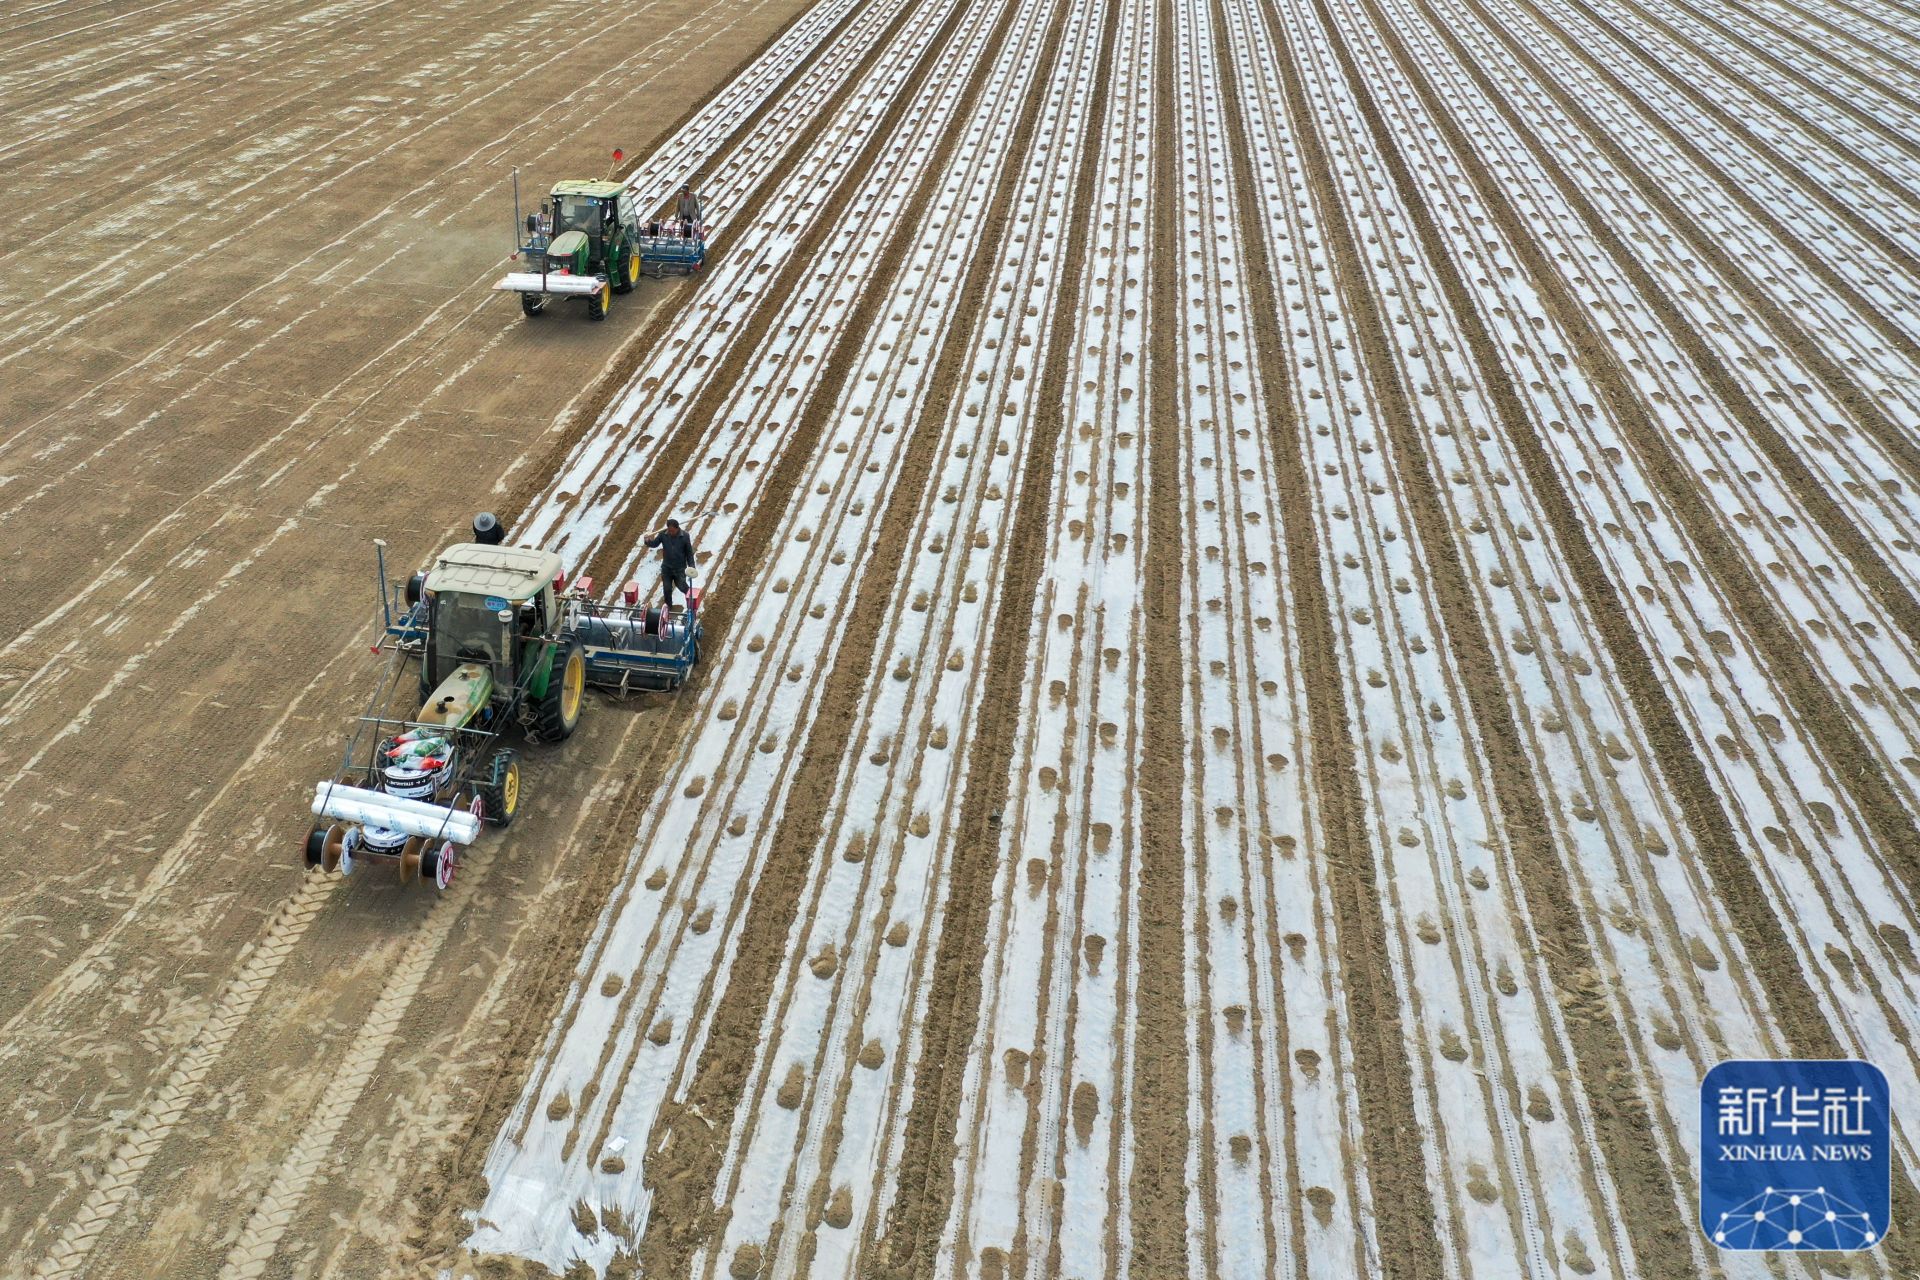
[[532, 304], [598, 303], [626, 271], [500, 796], [558, 711]]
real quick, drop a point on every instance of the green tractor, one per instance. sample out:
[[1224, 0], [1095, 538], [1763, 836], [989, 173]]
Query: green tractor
[[494, 650], [583, 242]]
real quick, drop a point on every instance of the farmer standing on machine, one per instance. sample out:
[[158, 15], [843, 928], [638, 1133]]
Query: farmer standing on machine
[[676, 557], [687, 210]]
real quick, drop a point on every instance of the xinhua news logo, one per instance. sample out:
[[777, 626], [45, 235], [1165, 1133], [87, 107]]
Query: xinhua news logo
[[1795, 1155]]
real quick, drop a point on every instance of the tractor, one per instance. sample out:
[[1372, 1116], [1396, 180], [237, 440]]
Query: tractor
[[583, 242], [505, 644]]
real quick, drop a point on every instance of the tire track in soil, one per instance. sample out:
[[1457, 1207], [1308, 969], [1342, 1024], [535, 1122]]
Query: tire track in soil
[[1601, 1056], [158, 1118], [684, 1170], [380, 1023], [160, 1115], [277, 1207], [1158, 1178], [1890, 435], [1801, 1021], [1814, 704], [1381, 1070]]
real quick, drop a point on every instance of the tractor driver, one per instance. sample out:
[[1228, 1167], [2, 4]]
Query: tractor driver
[[676, 557]]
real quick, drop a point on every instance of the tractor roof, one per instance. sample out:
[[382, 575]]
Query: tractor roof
[[511, 573], [588, 187]]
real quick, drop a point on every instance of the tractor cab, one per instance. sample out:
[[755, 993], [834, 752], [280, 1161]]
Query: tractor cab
[[584, 242], [493, 645]]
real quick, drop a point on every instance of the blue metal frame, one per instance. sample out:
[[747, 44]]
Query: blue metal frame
[[672, 255]]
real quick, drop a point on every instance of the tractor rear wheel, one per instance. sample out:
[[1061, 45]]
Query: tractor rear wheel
[[598, 303], [558, 710], [532, 304], [500, 794]]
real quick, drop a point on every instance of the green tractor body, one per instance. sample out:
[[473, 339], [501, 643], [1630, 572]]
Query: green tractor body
[[583, 243], [495, 650]]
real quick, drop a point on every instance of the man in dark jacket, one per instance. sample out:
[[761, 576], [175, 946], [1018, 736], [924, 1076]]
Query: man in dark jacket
[[687, 209], [676, 557]]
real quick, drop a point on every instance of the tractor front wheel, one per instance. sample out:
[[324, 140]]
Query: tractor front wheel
[[558, 710], [626, 271], [532, 304], [500, 794]]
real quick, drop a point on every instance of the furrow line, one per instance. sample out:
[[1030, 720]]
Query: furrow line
[[112, 277], [140, 38], [785, 1172], [683, 152], [1837, 322], [1849, 646], [1867, 101], [1562, 813], [873, 198], [1156, 1155], [856, 464], [1335, 1230], [1871, 25], [1078, 705], [680, 378], [1878, 293], [1727, 127], [1834, 160], [1814, 867], [184, 80], [1524, 1192], [38, 683], [1271, 1128]]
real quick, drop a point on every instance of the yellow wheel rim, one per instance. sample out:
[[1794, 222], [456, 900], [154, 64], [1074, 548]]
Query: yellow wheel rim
[[510, 790], [633, 267], [571, 685], [606, 296]]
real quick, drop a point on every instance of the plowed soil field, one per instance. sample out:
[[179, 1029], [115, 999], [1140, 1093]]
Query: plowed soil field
[[1313, 609]]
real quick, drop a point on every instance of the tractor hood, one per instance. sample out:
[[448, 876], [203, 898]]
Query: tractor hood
[[566, 244], [459, 696]]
